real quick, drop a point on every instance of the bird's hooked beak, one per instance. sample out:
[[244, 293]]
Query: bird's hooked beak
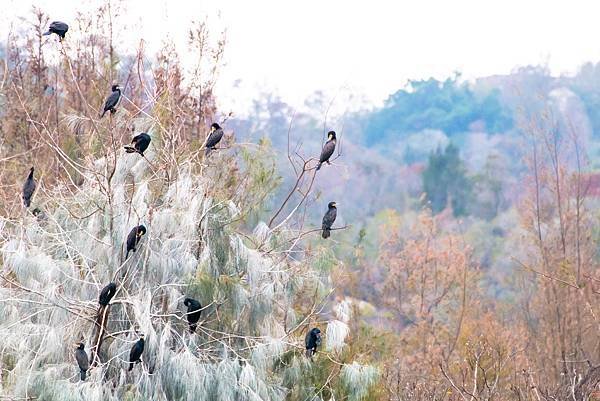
[[212, 129], [330, 137]]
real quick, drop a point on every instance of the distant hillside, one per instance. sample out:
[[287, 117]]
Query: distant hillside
[[484, 119]]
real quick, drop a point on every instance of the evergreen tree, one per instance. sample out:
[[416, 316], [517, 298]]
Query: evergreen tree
[[445, 180]]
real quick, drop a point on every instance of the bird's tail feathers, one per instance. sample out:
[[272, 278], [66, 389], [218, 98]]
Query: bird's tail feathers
[[47, 33], [326, 233], [131, 366], [103, 113], [83, 375], [309, 353], [193, 328], [319, 166], [129, 149]]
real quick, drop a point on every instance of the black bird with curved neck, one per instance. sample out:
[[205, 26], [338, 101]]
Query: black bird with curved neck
[[82, 360], [194, 310], [136, 352], [139, 144], [107, 293], [328, 219], [215, 136], [312, 342], [328, 149], [59, 28], [28, 188], [134, 237], [112, 100]]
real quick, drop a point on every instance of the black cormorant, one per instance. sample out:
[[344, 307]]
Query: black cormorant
[[107, 293], [312, 341], [136, 352], [82, 360], [29, 188], [134, 237], [328, 149], [329, 218], [194, 310], [112, 100], [59, 28], [139, 144], [216, 134]]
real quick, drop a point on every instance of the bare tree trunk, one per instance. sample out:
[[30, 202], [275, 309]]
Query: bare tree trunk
[[100, 331]]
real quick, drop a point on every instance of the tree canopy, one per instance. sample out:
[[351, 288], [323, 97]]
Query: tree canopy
[[447, 105]]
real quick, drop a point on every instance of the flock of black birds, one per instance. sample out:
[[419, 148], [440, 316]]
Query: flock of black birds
[[139, 144]]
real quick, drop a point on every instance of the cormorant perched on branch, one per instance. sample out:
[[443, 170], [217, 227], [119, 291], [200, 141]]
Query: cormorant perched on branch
[[112, 100], [328, 149], [329, 218], [107, 293], [59, 28], [216, 134], [194, 310], [134, 237], [139, 144], [82, 360], [136, 352], [29, 188], [312, 341]]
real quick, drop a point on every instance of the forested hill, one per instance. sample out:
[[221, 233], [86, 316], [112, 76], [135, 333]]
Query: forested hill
[[443, 246], [387, 148], [448, 106]]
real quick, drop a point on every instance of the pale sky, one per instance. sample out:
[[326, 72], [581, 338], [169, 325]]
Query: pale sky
[[367, 48]]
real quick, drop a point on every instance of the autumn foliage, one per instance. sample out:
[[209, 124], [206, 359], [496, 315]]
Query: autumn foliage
[[424, 320], [454, 341]]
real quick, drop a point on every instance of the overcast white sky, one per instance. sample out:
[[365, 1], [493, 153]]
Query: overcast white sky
[[369, 47]]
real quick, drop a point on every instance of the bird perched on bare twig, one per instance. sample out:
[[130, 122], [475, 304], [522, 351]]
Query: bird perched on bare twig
[[107, 293], [59, 28], [329, 218], [112, 100], [82, 360], [328, 149], [134, 237], [312, 341], [136, 352], [29, 188], [215, 136], [139, 144], [194, 310]]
